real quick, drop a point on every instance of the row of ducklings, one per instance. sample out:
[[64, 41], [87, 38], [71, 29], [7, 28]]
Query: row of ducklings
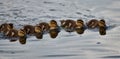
[[67, 25], [52, 28], [8, 30], [79, 26], [38, 30]]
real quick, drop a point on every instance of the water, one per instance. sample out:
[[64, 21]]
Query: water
[[89, 45]]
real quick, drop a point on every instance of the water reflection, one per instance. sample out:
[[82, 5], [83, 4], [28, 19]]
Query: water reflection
[[53, 33], [80, 30], [111, 56], [10, 51], [22, 40], [60, 55], [12, 40], [39, 35]]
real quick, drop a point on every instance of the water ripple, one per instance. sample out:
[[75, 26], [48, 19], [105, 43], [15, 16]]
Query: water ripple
[[60, 55], [111, 57]]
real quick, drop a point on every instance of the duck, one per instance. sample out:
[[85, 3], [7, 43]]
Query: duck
[[14, 33], [92, 24], [44, 26], [80, 27], [34, 30], [54, 29], [102, 27], [68, 25], [5, 27], [53, 24], [22, 36], [38, 32], [29, 29], [41, 29]]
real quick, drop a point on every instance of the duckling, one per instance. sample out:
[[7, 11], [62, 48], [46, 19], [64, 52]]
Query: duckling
[[16, 33], [54, 29], [21, 33], [44, 27], [29, 29], [5, 27], [68, 25], [53, 24], [41, 29], [92, 24], [102, 27], [80, 27], [22, 36], [13, 33], [38, 32]]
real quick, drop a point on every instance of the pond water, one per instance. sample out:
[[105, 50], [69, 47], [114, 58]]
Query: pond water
[[89, 45]]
